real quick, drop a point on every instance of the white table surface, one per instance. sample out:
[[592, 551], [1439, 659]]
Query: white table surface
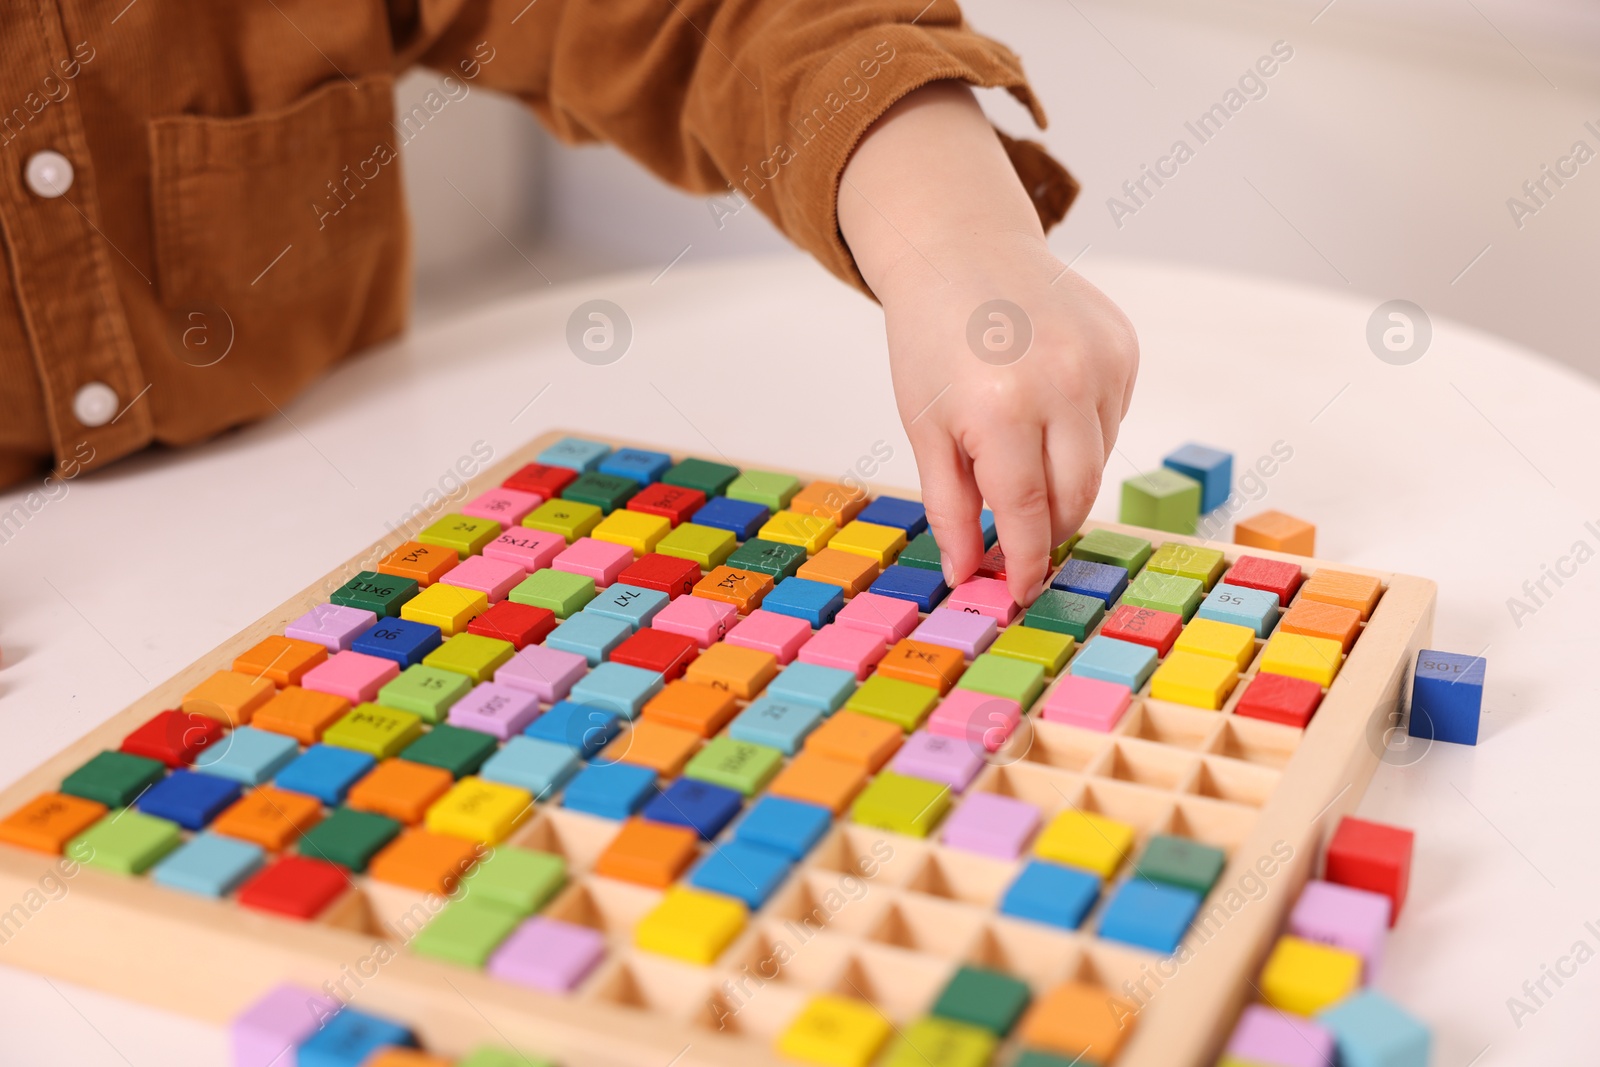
[[1473, 466]]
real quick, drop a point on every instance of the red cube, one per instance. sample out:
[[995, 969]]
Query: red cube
[[1271, 575], [294, 886], [673, 502], [521, 624], [665, 574], [173, 737], [993, 564], [668, 654], [1371, 856], [1279, 698], [1144, 626], [540, 478]]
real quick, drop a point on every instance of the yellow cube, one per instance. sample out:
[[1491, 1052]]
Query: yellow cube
[[1092, 842], [1224, 640], [449, 607], [473, 655], [1304, 977], [1196, 680], [1204, 565], [633, 529], [691, 925], [835, 1031], [810, 532], [705, 545], [571, 519], [1047, 648], [881, 543], [229, 696], [1316, 659], [480, 811]]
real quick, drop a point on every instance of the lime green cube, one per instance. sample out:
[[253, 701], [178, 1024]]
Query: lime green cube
[[901, 804], [466, 931], [764, 487], [1106, 546], [1161, 499], [1204, 565], [571, 519], [560, 591], [1165, 592], [735, 765], [489, 1056], [520, 879], [125, 842], [894, 700], [473, 655], [705, 545], [378, 731], [425, 691], [944, 1042], [1064, 549], [464, 533], [1048, 648], [1002, 676]]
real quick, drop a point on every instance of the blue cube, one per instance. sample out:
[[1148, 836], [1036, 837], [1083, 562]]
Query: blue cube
[[617, 686], [1211, 467], [986, 524], [743, 517], [808, 683], [188, 798], [1255, 608], [631, 604], [541, 767], [636, 463], [1149, 915], [581, 726], [587, 634], [401, 640], [1111, 660], [326, 772], [1088, 578], [1051, 893], [1446, 697], [791, 827], [924, 588], [609, 790], [209, 865], [701, 806], [349, 1039], [575, 453], [907, 515], [745, 872], [776, 723], [1370, 1031], [247, 755], [815, 602]]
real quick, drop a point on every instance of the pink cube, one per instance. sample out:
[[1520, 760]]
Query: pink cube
[[355, 676], [704, 621], [991, 825], [967, 632], [492, 577], [532, 550], [1352, 919], [600, 560], [781, 635], [889, 617], [1087, 702], [505, 506], [978, 719], [983, 596], [496, 709], [844, 648], [937, 758], [547, 673], [1267, 1035], [332, 626]]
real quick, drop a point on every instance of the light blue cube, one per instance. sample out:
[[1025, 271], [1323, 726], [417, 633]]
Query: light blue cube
[[326, 772], [583, 727], [627, 603], [776, 723], [592, 636], [636, 463], [248, 755], [575, 453], [1255, 608], [540, 767], [1051, 893], [210, 865], [617, 686], [1370, 1031], [1211, 467], [986, 524], [807, 683], [1111, 660], [791, 827], [801, 598], [743, 871]]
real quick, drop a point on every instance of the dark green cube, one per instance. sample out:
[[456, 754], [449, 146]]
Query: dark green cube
[[710, 478], [371, 591], [1066, 613], [983, 998], [1181, 862], [349, 838], [1119, 550], [768, 557], [1034, 1058], [923, 551], [461, 752], [608, 492], [114, 778]]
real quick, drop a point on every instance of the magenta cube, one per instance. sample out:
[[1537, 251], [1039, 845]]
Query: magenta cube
[[983, 596], [703, 621], [767, 631], [939, 759], [355, 676], [889, 617], [547, 673], [1087, 702], [1352, 919], [492, 577], [332, 626], [532, 550], [496, 709], [981, 721], [548, 954], [992, 825], [965, 631], [268, 1032], [1266, 1035], [844, 648], [600, 560], [505, 506]]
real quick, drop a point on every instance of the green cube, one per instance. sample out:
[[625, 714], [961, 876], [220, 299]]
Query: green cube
[[734, 764], [466, 931], [383, 594], [901, 804], [1105, 546], [461, 752], [489, 1056], [1050, 649], [520, 879], [378, 731], [769, 557], [561, 592], [1002, 676], [1204, 565], [985, 998], [710, 478], [1032, 1057], [894, 700], [923, 551], [125, 842], [1181, 862], [1161, 499], [764, 487], [1165, 592], [1067, 613], [425, 691], [474, 656], [941, 1042], [608, 492], [1061, 551], [114, 779], [349, 838], [464, 533]]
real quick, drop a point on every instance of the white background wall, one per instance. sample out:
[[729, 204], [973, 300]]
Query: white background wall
[[1379, 161]]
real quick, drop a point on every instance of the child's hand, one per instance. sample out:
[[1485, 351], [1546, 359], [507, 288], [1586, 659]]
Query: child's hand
[[1014, 405]]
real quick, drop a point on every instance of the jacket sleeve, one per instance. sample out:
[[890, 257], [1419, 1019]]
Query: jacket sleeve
[[758, 101]]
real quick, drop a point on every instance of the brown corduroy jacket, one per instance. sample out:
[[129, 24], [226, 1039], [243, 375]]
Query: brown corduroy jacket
[[201, 201]]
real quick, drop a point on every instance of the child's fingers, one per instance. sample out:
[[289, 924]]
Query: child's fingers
[[1073, 462], [952, 501], [1010, 473]]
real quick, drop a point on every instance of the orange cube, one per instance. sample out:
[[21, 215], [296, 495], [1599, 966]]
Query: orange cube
[[229, 696], [1316, 619], [1276, 532], [282, 659], [400, 789], [424, 563], [404, 1057], [705, 709], [300, 713], [1078, 1019], [422, 859], [1357, 591], [856, 738], [649, 853], [744, 672], [818, 779], [269, 817], [742, 589], [921, 663], [651, 743], [850, 571], [48, 821], [839, 503]]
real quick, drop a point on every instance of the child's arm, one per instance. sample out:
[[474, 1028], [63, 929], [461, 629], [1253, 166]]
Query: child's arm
[[939, 224]]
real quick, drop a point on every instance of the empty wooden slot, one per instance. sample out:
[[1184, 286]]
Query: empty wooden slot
[[1147, 763], [1213, 822], [394, 912], [1270, 744], [874, 855], [820, 900], [575, 837], [655, 984], [928, 924], [1236, 780], [902, 984], [611, 907], [755, 1012], [1032, 783], [1146, 809], [1125, 971], [1038, 954], [790, 953], [1168, 724], [963, 876], [1055, 744]]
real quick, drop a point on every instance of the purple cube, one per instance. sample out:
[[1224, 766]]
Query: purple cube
[[501, 711], [1267, 1035], [938, 759], [1339, 915], [992, 825], [271, 1030], [964, 631], [548, 954], [333, 626]]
